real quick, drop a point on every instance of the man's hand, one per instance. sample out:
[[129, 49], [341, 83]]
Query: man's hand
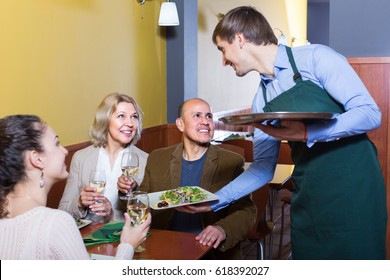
[[196, 208], [125, 185], [211, 236], [288, 130]]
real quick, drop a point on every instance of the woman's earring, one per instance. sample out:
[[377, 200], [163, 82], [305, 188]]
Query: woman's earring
[[42, 181]]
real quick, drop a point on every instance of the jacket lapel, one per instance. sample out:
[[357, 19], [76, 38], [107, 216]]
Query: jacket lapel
[[209, 168], [175, 166]]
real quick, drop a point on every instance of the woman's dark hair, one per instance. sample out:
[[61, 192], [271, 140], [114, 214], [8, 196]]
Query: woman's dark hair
[[18, 134], [248, 21]]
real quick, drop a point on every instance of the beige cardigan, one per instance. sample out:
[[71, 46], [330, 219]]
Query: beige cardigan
[[82, 163]]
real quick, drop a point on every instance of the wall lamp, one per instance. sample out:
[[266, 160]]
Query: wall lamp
[[168, 14]]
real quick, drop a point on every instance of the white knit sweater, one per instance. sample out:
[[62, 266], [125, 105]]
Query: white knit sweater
[[45, 233]]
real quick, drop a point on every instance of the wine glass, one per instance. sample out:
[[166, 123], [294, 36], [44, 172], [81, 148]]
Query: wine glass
[[129, 165], [138, 208], [97, 180]]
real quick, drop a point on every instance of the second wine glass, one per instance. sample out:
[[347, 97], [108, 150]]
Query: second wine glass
[[138, 208], [129, 165]]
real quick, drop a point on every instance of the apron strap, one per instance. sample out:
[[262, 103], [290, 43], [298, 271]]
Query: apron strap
[[297, 75], [264, 92]]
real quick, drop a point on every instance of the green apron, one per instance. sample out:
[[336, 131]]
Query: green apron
[[338, 208]]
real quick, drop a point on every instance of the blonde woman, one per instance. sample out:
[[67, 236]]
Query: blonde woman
[[117, 128]]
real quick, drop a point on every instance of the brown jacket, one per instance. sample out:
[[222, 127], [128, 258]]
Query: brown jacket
[[163, 172]]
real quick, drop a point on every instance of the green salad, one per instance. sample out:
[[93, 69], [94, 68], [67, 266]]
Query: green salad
[[185, 194]]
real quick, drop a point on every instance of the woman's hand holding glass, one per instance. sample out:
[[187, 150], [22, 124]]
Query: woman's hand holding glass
[[135, 235], [92, 196], [138, 209]]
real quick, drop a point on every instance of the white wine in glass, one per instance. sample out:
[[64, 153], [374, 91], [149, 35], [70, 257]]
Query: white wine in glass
[[129, 165], [138, 208], [97, 180]]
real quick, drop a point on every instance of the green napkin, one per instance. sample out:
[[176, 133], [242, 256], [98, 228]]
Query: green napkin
[[108, 233]]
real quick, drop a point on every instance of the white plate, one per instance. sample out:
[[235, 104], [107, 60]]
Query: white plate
[[154, 199], [83, 223], [101, 257]]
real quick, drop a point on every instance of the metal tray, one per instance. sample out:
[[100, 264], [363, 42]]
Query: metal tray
[[260, 117]]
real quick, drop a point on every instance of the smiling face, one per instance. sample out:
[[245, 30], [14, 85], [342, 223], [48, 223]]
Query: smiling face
[[123, 124], [196, 122], [233, 54]]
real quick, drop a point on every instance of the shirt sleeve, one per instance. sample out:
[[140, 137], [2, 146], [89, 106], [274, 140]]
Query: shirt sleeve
[[259, 173], [333, 72], [124, 252]]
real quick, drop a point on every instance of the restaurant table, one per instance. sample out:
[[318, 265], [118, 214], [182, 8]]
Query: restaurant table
[[160, 245], [281, 176]]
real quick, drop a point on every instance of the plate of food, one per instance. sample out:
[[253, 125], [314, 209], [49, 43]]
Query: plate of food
[[81, 222], [180, 196], [270, 116]]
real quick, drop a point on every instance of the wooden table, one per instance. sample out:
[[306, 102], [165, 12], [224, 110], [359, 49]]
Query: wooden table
[[161, 245], [281, 176]]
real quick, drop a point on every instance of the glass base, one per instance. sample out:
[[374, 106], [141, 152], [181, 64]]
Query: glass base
[[139, 249], [124, 197]]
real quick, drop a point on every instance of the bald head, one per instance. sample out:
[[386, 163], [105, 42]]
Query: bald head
[[195, 121], [189, 103]]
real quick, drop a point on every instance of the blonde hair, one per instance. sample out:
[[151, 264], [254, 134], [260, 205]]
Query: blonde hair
[[106, 108]]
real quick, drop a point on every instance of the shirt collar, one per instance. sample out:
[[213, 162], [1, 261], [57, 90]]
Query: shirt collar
[[281, 62]]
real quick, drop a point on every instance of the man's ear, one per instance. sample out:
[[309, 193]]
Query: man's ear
[[180, 124], [35, 159], [240, 39]]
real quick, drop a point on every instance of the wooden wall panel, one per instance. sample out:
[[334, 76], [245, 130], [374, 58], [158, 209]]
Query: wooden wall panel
[[159, 136], [375, 74]]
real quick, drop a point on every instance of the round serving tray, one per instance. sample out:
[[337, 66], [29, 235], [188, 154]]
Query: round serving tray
[[260, 117]]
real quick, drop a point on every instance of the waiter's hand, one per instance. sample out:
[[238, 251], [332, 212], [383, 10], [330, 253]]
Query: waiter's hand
[[288, 130], [197, 208]]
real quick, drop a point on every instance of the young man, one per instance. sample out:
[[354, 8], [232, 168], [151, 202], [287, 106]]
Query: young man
[[195, 162], [338, 208]]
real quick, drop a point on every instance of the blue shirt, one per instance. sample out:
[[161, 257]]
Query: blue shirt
[[191, 175], [330, 71]]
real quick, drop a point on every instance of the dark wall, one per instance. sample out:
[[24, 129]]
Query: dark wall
[[357, 28], [318, 23]]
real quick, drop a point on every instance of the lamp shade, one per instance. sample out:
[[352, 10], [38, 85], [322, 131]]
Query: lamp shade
[[168, 14]]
